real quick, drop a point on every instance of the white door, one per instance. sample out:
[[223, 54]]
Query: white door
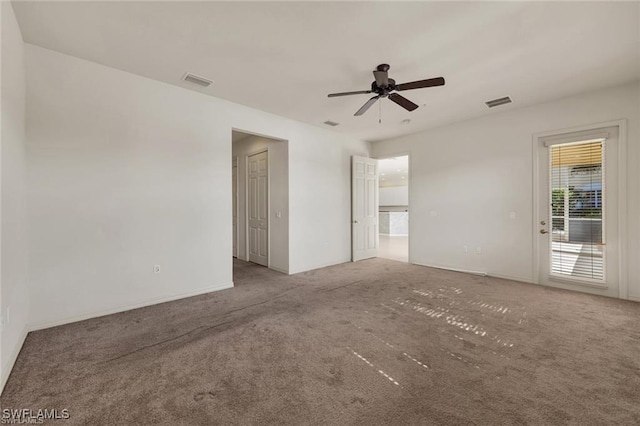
[[258, 208], [364, 208], [577, 218], [234, 192]]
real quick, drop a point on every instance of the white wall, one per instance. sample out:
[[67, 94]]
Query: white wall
[[472, 174], [126, 173], [13, 266], [320, 198], [394, 196], [278, 198]]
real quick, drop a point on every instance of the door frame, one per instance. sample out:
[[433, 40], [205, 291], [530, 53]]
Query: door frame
[[246, 203], [623, 291], [234, 163], [409, 174], [279, 255]]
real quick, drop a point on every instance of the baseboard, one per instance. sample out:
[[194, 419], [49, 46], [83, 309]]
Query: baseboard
[[142, 304], [8, 367], [282, 271], [447, 268], [526, 280], [634, 298], [325, 265]]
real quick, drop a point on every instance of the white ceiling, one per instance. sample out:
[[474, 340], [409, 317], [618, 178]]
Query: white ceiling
[[286, 57], [394, 171]]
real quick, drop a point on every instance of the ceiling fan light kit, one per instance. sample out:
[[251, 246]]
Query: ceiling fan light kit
[[385, 87]]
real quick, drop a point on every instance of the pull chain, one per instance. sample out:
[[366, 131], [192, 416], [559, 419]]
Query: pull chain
[[380, 112]]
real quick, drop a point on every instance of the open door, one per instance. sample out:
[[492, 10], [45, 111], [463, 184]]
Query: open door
[[364, 208], [258, 207]]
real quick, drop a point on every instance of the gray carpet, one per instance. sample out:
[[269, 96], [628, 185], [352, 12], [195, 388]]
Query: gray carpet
[[374, 342]]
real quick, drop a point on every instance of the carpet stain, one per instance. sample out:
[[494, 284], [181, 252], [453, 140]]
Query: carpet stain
[[337, 377], [202, 395], [358, 400]]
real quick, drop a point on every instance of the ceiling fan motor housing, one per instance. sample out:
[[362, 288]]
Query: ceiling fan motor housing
[[383, 91]]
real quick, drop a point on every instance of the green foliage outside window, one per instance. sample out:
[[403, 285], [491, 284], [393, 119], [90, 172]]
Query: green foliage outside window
[[582, 204], [557, 202]]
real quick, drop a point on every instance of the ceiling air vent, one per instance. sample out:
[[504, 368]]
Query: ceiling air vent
[[499, 101], [201, 81], [331, 123]]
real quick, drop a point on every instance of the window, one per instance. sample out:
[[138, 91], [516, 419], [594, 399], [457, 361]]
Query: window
[[577, 209]]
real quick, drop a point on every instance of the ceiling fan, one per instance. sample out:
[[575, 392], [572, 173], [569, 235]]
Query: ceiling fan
[[383, 86]]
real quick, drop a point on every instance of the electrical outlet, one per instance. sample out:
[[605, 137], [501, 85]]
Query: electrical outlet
[[466, 249], [512, 215], [478, 250], [156, 269]]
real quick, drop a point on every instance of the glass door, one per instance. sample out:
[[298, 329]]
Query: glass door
[[578, 228]]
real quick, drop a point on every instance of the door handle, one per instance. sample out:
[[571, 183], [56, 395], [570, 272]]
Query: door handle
[[355, 221], [544, 231]]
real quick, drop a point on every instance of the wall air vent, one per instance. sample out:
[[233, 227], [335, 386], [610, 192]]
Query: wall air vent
[[331, 123], [499, 101], [201, 81]]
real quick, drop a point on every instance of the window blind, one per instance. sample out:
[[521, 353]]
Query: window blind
[[577, 208]]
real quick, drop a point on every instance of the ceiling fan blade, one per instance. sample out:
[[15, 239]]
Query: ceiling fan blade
[[438, 81], [403, 102], [382, 78], [366, 106], [360, 92]]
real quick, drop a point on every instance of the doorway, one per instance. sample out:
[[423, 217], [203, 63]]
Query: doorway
[[393, 208], [260, 172], [577, 228]]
